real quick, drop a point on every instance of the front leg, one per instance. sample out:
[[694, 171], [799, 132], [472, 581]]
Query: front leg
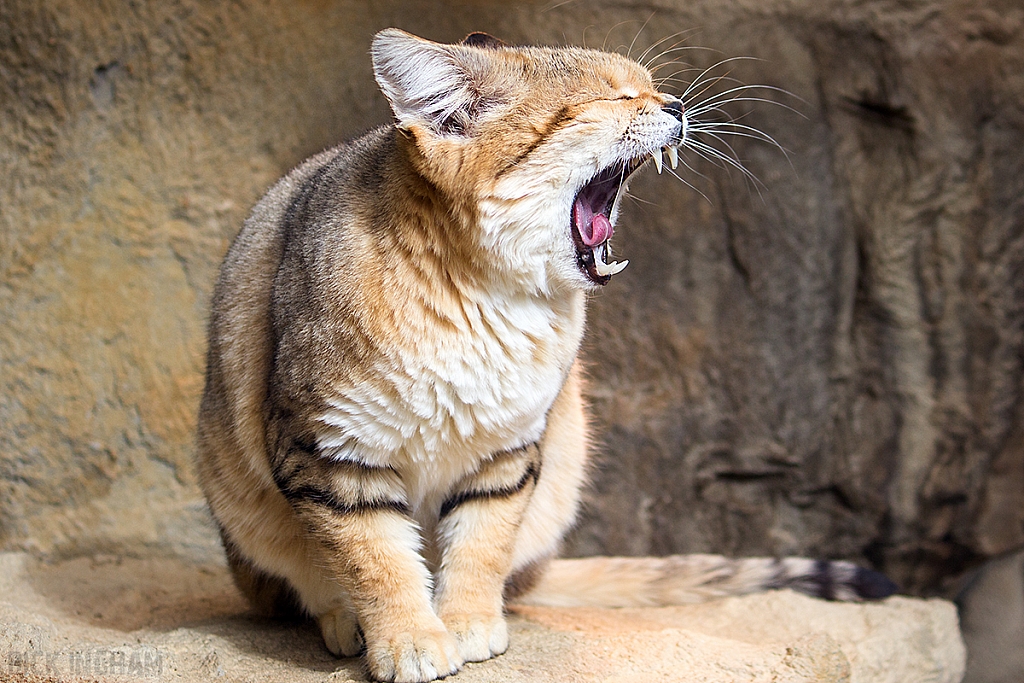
[[359, 515], [477, 532]]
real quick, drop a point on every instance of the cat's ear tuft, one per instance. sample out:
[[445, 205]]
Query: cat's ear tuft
[[481, 39], [426, 83]]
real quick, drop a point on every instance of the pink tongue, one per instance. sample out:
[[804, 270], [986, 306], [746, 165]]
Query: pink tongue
[[594, 228], [602, 230]]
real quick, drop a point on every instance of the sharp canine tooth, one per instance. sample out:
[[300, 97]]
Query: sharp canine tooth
[[603, 268], [673, 157], [617, 267], [657, 160], [599, 265]]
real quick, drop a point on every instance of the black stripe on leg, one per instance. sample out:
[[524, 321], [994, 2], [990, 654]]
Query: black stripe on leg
[[317, 496], [291, 462], [531, 474], [292, 476]]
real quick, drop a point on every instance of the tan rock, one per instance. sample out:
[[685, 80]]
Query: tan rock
[[163, 617]]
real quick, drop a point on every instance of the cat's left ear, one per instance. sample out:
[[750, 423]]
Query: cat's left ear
[[426, 83]]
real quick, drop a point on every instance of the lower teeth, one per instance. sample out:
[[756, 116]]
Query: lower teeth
[[605, 269]]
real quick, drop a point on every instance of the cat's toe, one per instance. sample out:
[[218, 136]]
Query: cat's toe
[[479, 636], [340, 630], [413, 657]]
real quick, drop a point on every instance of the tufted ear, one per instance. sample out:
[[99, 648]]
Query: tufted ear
[[481, 39], [425, 82]]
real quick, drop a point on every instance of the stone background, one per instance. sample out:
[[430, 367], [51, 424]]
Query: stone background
[[829, 361]]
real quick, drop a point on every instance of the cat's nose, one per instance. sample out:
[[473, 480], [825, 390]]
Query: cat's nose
[[675, 107]]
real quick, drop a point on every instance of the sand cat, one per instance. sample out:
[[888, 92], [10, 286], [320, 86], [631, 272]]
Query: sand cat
[[392, 437]]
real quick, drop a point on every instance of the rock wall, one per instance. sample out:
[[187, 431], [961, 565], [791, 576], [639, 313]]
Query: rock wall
[[825, 359]]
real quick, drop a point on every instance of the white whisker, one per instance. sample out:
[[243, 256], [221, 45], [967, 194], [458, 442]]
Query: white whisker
[[604, 45], [711, 68], [713, 102], [724, 160], [689, 184], [676, 48], [738, 130], [556, 5], [629, 52]]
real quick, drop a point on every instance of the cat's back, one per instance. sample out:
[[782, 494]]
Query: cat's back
[[241, 339], [330, 177]]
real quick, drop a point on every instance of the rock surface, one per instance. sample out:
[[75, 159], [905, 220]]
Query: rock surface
[[829, 361], [110, 618]]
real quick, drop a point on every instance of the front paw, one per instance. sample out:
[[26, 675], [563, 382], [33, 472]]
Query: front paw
[[479, 636], [413, 657]]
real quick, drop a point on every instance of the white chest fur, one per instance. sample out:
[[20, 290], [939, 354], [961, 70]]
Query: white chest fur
[[447, 398]]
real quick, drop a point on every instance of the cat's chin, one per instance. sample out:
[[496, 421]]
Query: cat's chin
[[590, 221]]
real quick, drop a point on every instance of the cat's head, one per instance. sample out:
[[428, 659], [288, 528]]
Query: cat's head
[[538, 143]]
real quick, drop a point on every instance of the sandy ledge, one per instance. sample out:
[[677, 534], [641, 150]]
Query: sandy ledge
[[111, 618]]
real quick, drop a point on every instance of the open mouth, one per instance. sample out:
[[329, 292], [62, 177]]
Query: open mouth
[[591, 215], [591, 222]]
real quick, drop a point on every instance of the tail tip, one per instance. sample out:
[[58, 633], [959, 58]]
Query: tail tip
[[872, 585]]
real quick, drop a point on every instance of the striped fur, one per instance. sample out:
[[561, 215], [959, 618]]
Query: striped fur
[[392, 436], [684, 579]]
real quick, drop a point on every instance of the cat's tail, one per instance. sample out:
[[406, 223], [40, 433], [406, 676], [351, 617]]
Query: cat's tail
[[683, 579]]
